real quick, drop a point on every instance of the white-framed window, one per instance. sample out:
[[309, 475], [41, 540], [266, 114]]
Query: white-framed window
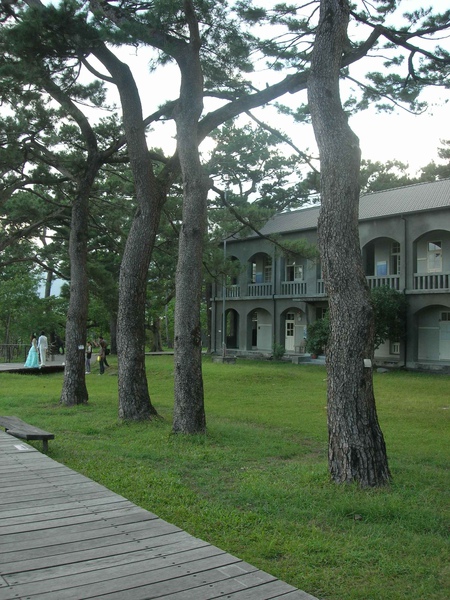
[[395, 258], [294, 272], [268, 273], [445, 316], [395, 348], [434, 257]]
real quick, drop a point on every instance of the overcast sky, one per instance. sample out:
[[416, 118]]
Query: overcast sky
[[412, 139]]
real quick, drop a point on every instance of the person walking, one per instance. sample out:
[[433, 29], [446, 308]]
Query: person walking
[[102, 354], [88, 357], [43, 347], [106, 353], [32, 361]]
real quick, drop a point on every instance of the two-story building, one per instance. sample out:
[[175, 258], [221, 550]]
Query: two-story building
[[405, 244]]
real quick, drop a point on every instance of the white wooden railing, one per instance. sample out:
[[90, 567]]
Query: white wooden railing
[[320, 287], [426, 282], [435, 281], [293, 288], [391, 281], [258, 290], [233, 291]]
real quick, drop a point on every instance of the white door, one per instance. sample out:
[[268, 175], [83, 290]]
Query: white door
[[444, 340], [289, 333]]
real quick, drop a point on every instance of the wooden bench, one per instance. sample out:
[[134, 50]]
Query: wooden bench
[[19, 429]]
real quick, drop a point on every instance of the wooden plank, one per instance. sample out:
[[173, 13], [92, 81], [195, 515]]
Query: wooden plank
[[124, 572], [135, 575], [166, 545], [63, 536], [159, 529], [173, 544], [96, 504], [222, 588], [115, 517]]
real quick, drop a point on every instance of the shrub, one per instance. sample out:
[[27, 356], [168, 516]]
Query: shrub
[[278, 351], [318, 334]]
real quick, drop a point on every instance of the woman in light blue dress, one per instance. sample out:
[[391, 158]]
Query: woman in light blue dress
[[32, 359]]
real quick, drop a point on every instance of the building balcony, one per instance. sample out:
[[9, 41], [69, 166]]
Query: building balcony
[[294, 288], [231, 291], [432, 282], [320, 288], [299, 289], [259, 290], [391, 281]]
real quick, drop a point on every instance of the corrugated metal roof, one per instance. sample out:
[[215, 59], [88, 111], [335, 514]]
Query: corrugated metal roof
[[408, 199]]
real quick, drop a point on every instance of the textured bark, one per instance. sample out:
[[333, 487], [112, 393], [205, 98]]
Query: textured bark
[[155, 328], [134, 397], [113, 333], [189, 411], [74, 389], [357, 450]]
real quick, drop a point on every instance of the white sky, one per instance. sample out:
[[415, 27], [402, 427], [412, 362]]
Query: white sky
[[412, 139]]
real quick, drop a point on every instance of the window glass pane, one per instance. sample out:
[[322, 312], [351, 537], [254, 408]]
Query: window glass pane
[[432, 246], [298, 272], [434, 257]]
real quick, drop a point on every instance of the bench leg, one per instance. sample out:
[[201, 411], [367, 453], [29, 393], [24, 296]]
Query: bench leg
[[45, 446]]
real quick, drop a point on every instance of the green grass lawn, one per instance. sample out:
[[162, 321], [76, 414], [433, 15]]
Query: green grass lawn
[[257, 484]]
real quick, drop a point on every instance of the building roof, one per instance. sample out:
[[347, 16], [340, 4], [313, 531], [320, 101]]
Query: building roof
[[409, 199]]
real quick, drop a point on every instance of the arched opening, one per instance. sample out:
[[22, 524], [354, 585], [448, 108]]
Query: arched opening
[[432, 261], [293, 322], [260, 330], [232, 329], [382, 262], [260, 275], [433, 333]]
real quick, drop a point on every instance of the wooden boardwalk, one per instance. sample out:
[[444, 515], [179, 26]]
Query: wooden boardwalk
[[54, 364], [65, 537]]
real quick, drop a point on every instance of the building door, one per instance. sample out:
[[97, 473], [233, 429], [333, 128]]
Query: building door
[[444, 336], [289, 332]]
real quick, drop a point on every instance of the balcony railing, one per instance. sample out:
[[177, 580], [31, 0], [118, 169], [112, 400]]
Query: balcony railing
[[436, 281], [428, 282], [293, 288], [391, 281], [258, 290], [320, 287], [233, 291]]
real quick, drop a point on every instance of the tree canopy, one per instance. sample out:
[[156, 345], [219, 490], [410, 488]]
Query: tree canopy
[[61, 160]]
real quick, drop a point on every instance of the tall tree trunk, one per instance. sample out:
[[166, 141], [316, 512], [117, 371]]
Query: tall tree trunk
[[208, 298], [48, 284], [155, 328], [357, 450], [74, 389], [189, 410], [113, 332], [134, 397]]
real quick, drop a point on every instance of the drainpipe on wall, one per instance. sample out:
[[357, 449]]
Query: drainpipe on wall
[[274, 319], [224, 293], [404, 288], [214, 317]]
